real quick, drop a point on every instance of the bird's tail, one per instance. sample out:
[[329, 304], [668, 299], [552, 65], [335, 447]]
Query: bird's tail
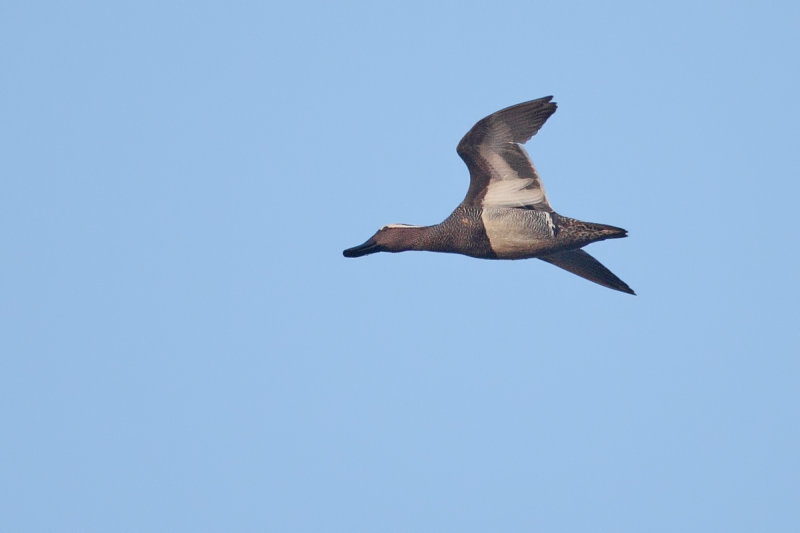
[[581, 233]]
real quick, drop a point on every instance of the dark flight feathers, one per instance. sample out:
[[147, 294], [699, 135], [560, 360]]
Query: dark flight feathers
[[514, 124], [584, 265], [492, 151]]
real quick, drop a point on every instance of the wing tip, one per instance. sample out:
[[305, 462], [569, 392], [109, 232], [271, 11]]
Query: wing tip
[[582, 264], [627, 290]]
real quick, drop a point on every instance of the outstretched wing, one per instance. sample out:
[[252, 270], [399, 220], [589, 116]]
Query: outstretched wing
[[584, 265], [501, 173]]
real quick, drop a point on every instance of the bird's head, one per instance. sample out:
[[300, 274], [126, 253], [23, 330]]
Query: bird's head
[[390, 238]]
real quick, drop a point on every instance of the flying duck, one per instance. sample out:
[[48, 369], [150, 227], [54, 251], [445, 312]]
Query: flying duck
[[506, 213]]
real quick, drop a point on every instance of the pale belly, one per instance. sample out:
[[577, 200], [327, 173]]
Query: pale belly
[[518, 233]]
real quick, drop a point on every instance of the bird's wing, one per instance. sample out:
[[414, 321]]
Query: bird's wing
[[584, 265], [501, 173]]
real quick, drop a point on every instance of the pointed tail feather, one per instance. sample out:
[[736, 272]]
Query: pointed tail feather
[[582, 233], [584, 265]]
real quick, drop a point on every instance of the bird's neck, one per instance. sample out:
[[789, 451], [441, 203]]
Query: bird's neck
[[406, 238]]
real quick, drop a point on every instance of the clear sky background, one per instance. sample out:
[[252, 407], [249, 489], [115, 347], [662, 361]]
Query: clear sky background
[[184, 348]]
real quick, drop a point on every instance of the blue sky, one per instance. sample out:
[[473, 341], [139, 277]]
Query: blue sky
[[184, 348]]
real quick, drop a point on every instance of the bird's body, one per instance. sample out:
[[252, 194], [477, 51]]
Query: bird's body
[[506, 213]]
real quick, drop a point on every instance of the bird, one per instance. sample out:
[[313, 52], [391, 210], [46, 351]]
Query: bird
[[506, 213]]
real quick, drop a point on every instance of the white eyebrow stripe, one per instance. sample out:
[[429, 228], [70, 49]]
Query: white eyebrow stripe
[[400, 226]]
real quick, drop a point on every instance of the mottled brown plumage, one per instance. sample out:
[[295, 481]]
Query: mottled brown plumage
[[506, 213]]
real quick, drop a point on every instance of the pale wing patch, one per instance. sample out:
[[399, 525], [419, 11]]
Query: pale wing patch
[[507, 188], [500, 167], [512, 193]]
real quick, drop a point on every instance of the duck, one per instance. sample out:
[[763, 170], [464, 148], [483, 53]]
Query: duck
[[506, 213]]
